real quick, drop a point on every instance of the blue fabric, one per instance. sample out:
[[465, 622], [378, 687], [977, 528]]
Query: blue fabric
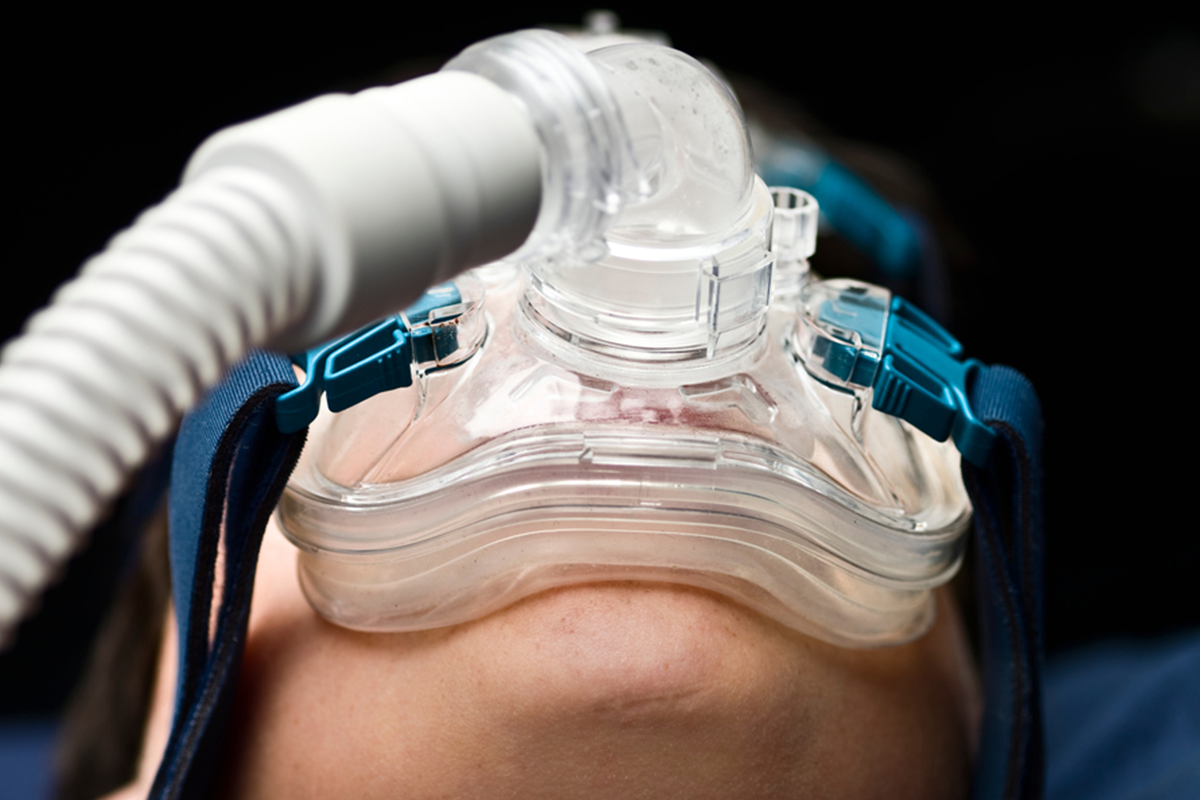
[[26, 756], [1123, 721], [1006, 494], [230, 466]]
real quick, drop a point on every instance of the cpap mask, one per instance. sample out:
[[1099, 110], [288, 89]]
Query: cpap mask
[[654, 388]]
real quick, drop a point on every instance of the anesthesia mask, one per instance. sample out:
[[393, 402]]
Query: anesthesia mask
[[653, 388]]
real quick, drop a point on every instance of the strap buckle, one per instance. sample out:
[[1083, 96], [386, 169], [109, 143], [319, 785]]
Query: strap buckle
[[855, 336], [376, 358]]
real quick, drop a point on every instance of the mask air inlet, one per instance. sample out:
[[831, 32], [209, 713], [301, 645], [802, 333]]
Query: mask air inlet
[[666, 268]]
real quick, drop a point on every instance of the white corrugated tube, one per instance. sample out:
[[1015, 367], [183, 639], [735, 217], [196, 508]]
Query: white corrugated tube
[[287, 230], [102, 374]]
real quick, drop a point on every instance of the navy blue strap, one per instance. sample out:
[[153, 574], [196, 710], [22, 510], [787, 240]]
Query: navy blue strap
[[230, 466], [1006, 493]]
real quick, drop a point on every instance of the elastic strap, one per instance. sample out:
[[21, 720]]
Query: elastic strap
[[1007, 495], [230, 466]]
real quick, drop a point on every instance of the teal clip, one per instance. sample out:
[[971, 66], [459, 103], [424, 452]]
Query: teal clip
[[917, 371], [373, 359]]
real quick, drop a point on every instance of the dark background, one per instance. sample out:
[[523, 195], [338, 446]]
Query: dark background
[[1063, 149]]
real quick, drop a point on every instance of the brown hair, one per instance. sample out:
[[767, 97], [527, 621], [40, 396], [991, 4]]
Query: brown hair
[[101, 734]]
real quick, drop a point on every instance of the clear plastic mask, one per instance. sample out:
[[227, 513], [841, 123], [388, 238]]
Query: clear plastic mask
[[631, 399]]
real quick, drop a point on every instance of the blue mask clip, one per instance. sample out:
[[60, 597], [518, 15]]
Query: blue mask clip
[[373, 359], [856, 337]]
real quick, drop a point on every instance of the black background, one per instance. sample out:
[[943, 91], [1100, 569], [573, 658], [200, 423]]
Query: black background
[[1065, 149]]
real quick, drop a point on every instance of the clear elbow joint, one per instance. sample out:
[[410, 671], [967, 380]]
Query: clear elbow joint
[[650, 258]]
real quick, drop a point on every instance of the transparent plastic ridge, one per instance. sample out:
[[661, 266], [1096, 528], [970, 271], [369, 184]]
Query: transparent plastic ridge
[[637, 409], [513, 473]]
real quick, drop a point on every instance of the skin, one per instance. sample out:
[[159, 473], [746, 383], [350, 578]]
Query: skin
[[613, 690]]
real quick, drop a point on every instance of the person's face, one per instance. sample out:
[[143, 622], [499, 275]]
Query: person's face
[[620, 690]]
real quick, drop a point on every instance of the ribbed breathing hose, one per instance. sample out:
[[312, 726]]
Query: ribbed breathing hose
[[288, 230], [101, 376]]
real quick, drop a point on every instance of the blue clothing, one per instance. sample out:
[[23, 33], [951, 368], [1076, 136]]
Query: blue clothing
[[1123, 721], [26, 758]]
